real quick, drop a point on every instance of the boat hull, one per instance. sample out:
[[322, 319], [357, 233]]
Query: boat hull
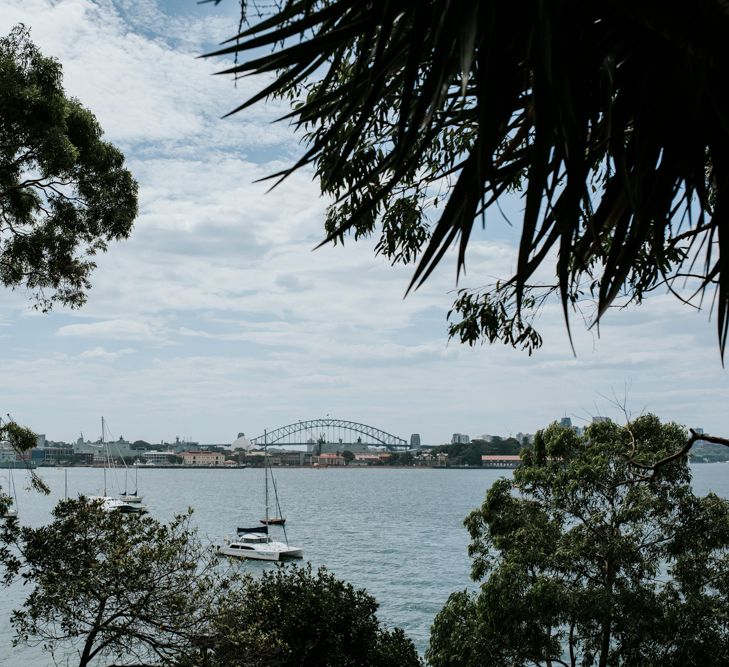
[[109, 504], [260, 554]]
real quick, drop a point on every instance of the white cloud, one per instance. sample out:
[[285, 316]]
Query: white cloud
[[110, 329], [100, 354]]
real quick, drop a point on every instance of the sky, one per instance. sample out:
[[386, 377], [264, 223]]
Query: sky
[[218, 316]]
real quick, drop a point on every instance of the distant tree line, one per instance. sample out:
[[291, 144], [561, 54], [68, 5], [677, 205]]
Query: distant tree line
[[470, 453]]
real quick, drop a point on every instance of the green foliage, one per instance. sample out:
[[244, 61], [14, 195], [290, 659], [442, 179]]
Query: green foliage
[[111, 585], [582, 562], [401, 459], [292, 616], [348, 456], [494, 315], [607, 115], [21, 439], [470, 453], [64, 193]]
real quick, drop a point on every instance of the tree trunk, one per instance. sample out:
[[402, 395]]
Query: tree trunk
[[608, 620], [91, 637], [86, 655]]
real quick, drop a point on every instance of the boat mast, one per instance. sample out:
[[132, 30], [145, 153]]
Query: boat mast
[[106, 452], [265, 469], [12, 483]]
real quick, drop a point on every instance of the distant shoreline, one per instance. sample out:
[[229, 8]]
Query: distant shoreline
[[304, 467], [296, 467]]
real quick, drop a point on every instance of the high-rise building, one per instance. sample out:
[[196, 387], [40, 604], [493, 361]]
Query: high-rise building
[[415, 440], [460, 439], [601, 420], [566, 422]]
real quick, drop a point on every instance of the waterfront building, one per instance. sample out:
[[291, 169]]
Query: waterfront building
[[241, 442], [329, 460], [7, 453], [500, 460], [371, 457], [117, 449], [157, 458], [294, 458], [202, 458], [57, 455]]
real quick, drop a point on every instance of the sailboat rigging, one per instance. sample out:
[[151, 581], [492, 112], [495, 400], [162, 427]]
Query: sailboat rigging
[[109, 503], [131, 497], [278, 519], [256, 543], [12, 510]]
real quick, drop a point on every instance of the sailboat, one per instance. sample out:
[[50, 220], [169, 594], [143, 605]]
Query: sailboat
[[109, 503], [256, 543], [12, 510], [133, 498]]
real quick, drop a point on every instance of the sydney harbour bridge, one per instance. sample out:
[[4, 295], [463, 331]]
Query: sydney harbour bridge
[[329, 431]]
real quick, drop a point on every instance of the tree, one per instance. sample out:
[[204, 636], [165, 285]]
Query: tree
[[610, 115], [64, 192], [299, 618], [21, 440], [107, 584], [583, 562], [348, 456]]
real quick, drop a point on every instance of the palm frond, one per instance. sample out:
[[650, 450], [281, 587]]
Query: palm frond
[[614, 114]]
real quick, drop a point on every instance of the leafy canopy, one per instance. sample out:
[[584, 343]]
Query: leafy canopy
[[583, 562], [64, 192], [609, 117], [301, 618], [110, 585]]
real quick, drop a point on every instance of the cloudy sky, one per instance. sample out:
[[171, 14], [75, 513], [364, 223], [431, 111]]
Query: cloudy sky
[[216, 317]]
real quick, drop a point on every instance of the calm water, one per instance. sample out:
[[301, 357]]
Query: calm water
[[396, 532]]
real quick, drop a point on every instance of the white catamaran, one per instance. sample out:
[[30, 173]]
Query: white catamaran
[[109, 503], [256, 543]]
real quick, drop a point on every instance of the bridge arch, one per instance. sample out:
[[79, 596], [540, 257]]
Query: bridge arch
[[315, 426]]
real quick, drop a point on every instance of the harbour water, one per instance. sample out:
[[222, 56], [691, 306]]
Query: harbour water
[[396, 532]]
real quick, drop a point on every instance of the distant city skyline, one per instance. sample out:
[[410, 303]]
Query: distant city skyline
[[216, 317]]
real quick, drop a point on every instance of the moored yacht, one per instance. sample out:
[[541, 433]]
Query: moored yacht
[[109, 504], [255, 543]]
